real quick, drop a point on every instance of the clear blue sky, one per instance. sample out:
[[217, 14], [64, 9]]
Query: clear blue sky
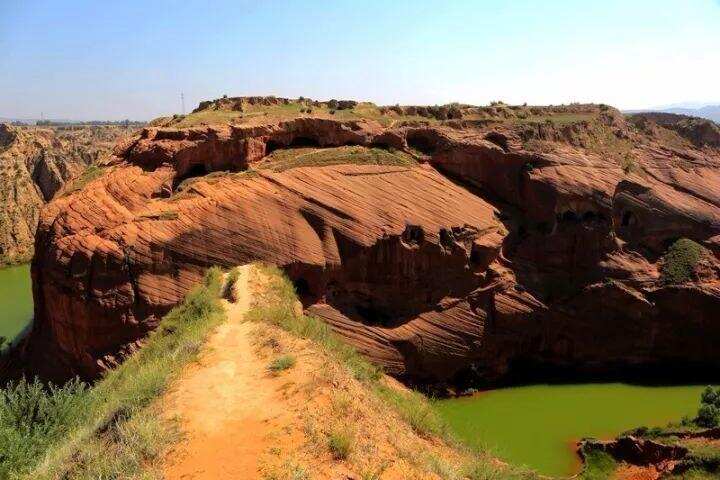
[[131, 59]]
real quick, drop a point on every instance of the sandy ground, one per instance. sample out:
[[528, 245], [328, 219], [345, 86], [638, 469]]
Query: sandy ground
[[227, 403], [635, 472]]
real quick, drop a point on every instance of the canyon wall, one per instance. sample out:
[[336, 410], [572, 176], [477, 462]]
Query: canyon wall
[[496, 246]]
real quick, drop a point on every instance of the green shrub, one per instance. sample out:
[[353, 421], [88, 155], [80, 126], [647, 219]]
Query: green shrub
[[710, 396], [709, 412], [91, 173], [282, 363], [416, 410], [33, 417], [598, 466], [340, 444], [680, 260]]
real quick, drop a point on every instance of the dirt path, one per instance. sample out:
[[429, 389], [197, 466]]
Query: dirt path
[[227, 403], [240, 421]]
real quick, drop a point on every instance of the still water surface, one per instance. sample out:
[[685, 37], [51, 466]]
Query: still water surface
[[16, 301], [537, 425]]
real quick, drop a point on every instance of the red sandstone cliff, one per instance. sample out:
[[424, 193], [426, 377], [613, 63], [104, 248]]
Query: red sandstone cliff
[[502, 244]]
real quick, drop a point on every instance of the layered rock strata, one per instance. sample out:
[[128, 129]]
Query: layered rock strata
[[498, 246]]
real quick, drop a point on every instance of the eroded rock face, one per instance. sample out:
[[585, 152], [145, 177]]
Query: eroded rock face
[[485, 254], [35, 163]]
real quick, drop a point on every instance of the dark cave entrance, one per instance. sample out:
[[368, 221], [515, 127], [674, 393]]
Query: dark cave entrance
[[627, 219], [197, 170], [302, 287], [421, 143], [297, 142]]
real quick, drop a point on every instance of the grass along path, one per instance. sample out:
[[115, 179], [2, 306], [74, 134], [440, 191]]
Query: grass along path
[[342, 418], [227, 402], [113, 429], [274, 394]]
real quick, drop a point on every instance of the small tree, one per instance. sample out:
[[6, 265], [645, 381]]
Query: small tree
[[709, 412]]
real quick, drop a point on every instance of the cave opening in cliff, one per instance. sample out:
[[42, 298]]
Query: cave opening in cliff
[[569, 217], [296, 142], [544, 228], [271, 146], [421, 143], [498, 139], [413, 235], [197, 170], [301, 142], [302, 287], [627, 219], [372, 315], [589, 216]]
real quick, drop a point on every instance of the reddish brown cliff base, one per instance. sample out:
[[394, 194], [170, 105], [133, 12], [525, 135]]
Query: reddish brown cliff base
[[439, 248]]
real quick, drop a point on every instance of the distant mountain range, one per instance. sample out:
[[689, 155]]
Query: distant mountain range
[[30, 121], [711, 112], [63, 122]]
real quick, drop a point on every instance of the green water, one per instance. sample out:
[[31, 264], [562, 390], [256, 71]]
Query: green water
[[537, 425], [16, 301]]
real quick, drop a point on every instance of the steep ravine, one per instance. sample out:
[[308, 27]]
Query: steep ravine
[[485, 251]]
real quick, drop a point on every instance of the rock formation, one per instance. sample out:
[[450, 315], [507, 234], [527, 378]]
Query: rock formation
[[34, 164], [441, 250]]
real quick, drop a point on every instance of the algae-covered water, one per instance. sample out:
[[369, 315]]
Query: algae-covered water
[[537, 426], [16, 301]]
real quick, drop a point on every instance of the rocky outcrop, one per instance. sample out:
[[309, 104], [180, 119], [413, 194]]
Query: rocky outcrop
[[636, 451], [668, 453], [241, 104], [35, 163], [493, 250], [700, 131]]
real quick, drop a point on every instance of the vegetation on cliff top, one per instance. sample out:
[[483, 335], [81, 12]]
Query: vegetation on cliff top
[[112, 429], [248, 110], [285, 159], [90, 173]]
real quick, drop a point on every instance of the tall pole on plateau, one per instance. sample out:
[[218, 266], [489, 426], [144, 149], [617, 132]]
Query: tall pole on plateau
[[182, 102]]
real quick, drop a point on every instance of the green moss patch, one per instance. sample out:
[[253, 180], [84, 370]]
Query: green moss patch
[[288, 158]]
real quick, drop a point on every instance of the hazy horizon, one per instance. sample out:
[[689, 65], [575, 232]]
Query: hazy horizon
[[102, 61]]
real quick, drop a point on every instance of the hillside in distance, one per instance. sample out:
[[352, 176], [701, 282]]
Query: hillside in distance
[[709, 112], [35, 164]]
